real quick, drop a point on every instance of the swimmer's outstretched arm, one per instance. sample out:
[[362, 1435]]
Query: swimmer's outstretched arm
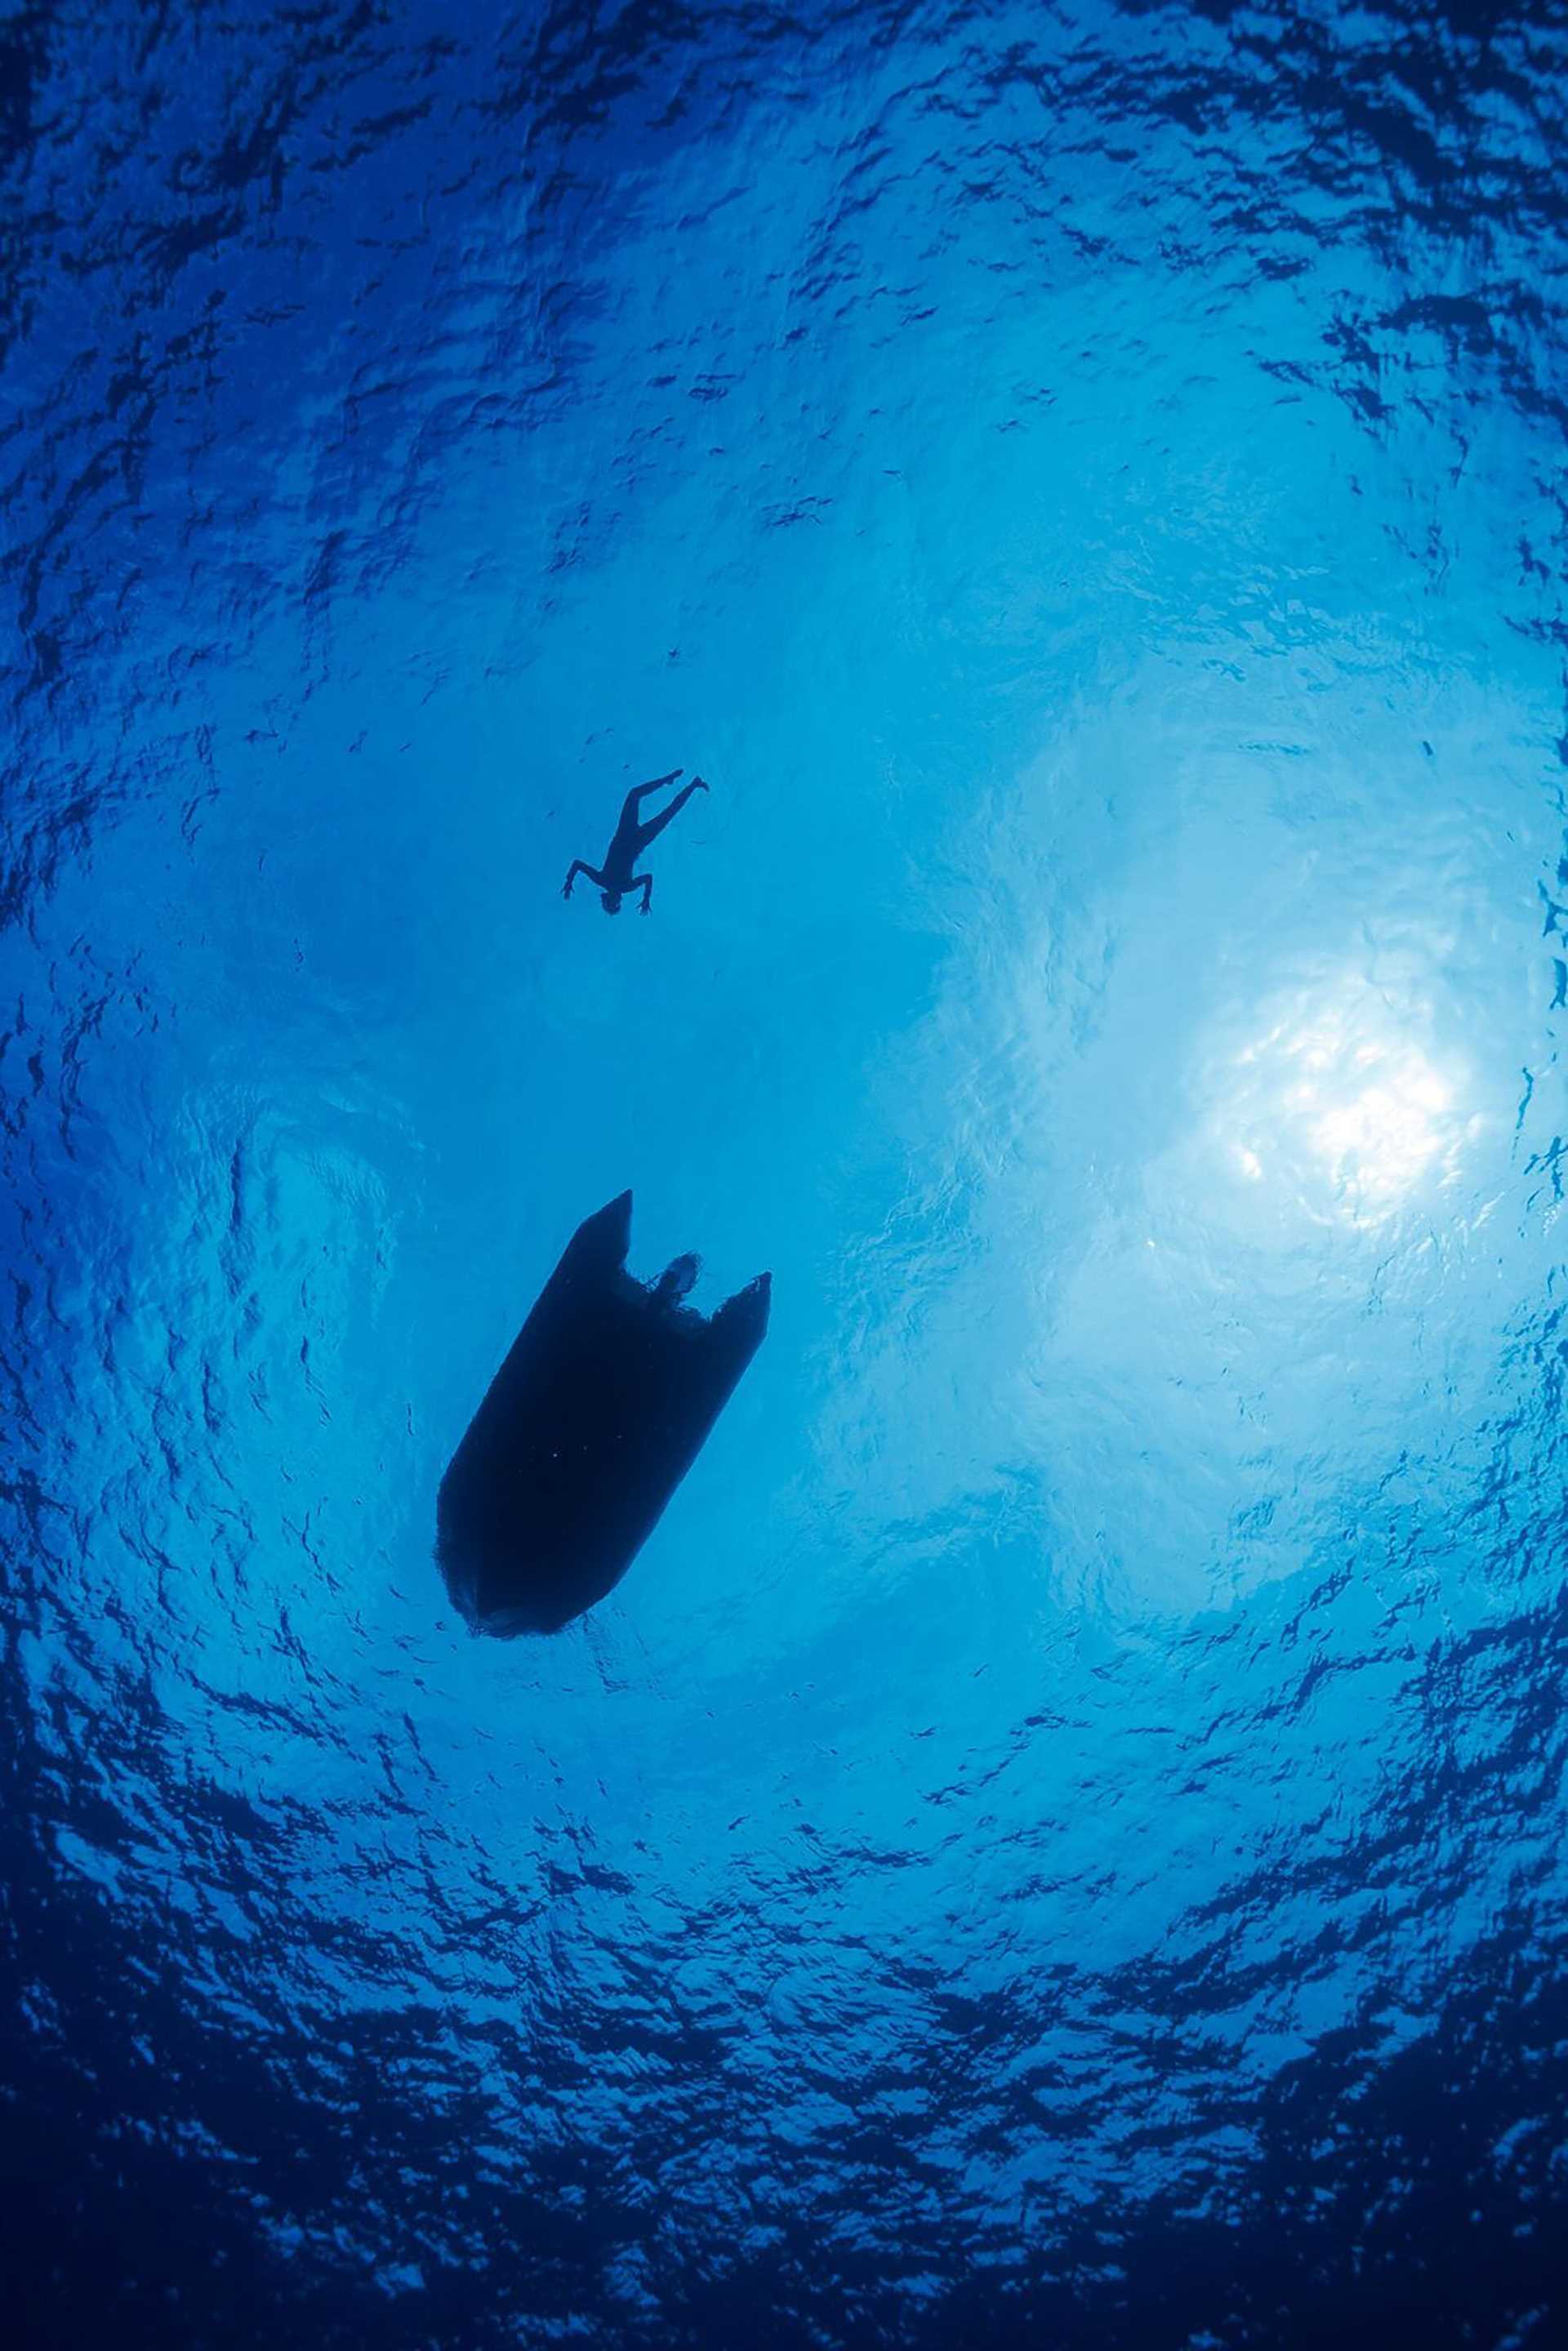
[[579, 867], [643, 882]]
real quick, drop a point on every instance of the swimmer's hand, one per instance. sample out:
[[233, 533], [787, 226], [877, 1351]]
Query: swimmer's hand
[[566, 887]]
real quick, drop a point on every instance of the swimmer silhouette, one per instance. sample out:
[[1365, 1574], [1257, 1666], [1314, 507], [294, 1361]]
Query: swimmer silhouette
[[602, 1406], [632, 838]]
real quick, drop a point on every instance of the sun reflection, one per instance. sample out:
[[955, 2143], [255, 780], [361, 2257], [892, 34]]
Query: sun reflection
[[1338, 1100]]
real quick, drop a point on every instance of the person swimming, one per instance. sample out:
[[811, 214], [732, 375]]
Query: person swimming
[[617, 875]]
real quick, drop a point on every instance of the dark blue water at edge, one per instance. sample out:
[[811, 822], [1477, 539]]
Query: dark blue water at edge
[[1059, 1839]]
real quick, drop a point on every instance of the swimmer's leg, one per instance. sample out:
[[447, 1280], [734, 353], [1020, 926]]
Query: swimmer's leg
[[632, 802], [655, 825]]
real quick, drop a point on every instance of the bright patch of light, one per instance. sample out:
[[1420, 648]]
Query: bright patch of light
[[1336, 1099]]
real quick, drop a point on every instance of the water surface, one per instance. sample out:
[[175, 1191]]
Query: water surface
[[1059, 1838]]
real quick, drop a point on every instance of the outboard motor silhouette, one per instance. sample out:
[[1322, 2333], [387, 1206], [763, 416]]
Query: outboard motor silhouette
[[587, 1429]]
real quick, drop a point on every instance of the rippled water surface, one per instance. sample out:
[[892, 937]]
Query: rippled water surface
[[1059, 1839]]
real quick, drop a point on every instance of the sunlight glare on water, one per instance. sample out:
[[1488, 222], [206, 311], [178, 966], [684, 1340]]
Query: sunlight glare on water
[[1337, 1108]]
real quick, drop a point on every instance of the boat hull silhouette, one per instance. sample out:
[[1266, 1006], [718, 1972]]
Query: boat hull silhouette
[[590, 1423]]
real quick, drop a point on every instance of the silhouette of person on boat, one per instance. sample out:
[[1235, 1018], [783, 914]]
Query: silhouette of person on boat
[[618, 875]]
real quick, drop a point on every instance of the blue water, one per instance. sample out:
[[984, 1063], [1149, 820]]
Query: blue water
[[1059, 1839]]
